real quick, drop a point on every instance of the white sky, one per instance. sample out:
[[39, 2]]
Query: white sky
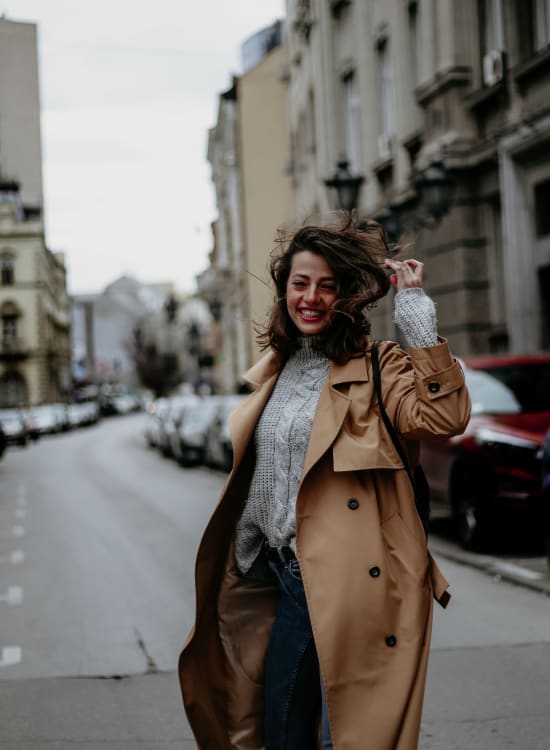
[[129, 89]]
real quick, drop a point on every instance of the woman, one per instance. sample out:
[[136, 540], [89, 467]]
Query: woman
[[314, 583]]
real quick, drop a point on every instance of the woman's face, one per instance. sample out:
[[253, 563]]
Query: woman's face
[[310, 292]]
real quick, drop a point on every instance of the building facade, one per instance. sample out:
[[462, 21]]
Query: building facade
[[395, 87], [249, 151], [35, 353], [20, 139]]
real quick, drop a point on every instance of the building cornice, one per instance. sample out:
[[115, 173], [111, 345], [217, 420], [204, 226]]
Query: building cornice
[[443, 80]]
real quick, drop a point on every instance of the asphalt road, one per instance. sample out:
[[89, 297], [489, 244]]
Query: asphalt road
[[97, 540]]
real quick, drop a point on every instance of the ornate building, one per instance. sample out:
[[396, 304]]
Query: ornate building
[[442, 108], [35, 353], [248, 149]]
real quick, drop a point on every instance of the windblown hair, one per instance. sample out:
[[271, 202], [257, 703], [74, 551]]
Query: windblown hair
[[355, 254]]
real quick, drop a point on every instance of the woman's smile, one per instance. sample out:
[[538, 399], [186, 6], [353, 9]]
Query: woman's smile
[[310, 292]]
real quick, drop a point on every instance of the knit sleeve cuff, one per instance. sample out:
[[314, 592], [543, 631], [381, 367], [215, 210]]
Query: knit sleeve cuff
[[414, 313]]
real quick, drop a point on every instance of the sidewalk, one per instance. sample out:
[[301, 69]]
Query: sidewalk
[[530, 572]]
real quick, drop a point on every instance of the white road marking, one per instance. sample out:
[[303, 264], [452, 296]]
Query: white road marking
[[20, 513], [13, 596], [10, 655], [516, 570], [15, 557], [18, 530]]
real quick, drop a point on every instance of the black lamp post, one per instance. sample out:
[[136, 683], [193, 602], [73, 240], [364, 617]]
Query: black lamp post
[[347, 186], [435, 189]]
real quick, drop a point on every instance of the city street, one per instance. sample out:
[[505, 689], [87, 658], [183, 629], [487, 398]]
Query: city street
[[98, 535]]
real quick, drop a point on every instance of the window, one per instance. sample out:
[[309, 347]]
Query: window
[[13, 390], [9, 329], [414, 42], [352, 123], [542, 201], [533, 18], [6, 273], [491, 26], [385, 82]]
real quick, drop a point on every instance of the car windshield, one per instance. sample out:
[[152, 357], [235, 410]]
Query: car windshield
[[510, 389], [9, 416]]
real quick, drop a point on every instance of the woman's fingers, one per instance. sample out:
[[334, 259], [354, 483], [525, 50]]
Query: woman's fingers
[[408, 273]]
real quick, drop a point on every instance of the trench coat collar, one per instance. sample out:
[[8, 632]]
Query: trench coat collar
[[330, 414], [270, 364]]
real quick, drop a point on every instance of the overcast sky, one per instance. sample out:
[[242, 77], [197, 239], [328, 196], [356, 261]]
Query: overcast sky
[[129, 89]]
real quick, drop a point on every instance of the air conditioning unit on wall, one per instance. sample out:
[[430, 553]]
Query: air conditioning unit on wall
[[493, 67]]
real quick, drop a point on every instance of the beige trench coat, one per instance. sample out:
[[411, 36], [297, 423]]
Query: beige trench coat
[[368, 576]]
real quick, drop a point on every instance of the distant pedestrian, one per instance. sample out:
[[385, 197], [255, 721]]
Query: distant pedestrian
[[314, 582]]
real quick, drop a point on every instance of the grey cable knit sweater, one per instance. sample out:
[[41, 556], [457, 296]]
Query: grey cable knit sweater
[[282, 433]]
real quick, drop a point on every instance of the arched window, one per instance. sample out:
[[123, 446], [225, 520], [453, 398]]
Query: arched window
[[7, 275], [13, 390], [9, 314]]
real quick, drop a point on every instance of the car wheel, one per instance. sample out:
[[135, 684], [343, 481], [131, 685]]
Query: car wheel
[[469, 508]]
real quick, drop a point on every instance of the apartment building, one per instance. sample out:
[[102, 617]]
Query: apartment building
[[35, 352], [249, 151], [442, 107]]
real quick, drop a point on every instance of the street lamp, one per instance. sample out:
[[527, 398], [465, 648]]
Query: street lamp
[[347, 186], [435, 189]]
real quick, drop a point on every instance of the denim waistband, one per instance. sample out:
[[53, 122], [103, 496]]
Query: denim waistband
[[280, 554]]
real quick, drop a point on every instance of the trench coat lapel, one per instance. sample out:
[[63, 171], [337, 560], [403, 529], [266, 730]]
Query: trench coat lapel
[[244, 418], [332, 408]]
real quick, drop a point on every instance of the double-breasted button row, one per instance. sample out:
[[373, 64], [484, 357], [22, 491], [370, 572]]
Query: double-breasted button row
[[353, 503], [374, 571], [391, 641]]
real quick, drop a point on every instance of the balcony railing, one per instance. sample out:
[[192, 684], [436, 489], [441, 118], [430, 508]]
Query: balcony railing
[[13, 347]]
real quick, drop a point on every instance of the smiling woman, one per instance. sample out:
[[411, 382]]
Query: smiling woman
[[290, 642]]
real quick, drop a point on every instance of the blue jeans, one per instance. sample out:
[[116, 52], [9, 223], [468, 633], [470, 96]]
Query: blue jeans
[[294, 697]]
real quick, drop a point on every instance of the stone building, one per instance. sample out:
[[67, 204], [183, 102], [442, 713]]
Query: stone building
[[35, 350], [249, 151], [421, 96], [20, 142], [35, 353]]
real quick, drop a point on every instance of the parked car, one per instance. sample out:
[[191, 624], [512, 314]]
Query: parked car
[[31, 423], [62, 414], [47, 419], [169, 424], [491, 473], [188, 442], [155, 414], [14, 427], [545, 456], [3, 441], [218, 448]]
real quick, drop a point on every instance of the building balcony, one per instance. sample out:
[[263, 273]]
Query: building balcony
[[13, 348]]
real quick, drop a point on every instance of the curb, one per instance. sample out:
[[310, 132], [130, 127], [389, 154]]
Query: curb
[[520, 575]]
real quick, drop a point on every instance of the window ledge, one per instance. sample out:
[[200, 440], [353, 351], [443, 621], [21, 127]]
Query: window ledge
[[485, 96], [459, 76], [532, 67]]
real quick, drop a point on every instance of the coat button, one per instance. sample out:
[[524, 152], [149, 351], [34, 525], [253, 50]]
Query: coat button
[[374, 571], [391, 640], [353, 504], [434, 386]]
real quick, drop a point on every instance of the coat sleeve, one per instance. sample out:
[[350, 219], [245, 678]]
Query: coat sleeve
[[424, 391]]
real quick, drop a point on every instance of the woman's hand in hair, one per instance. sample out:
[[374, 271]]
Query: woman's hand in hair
[[408, 274]]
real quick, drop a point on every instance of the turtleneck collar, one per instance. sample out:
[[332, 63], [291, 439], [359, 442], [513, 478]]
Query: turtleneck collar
[[310, 345]]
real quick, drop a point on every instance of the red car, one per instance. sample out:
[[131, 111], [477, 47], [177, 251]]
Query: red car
[[492, 472]]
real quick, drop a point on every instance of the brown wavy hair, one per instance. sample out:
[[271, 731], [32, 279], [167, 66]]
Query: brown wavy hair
[[355, 254]]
